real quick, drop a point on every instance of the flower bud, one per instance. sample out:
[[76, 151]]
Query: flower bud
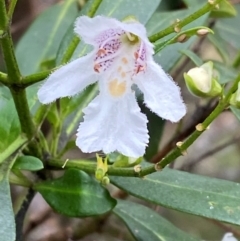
[[124, 161], [105, 181], [235, 98], [201, 82], [102, 167]]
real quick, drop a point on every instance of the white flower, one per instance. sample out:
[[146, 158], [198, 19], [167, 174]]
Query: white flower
[[122, 57], [229, 237]]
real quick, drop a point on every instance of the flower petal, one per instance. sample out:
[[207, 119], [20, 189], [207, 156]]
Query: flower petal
[[161, 94], [229, 237], [90, 28], [68, 80], [139, 30], [113, 126]]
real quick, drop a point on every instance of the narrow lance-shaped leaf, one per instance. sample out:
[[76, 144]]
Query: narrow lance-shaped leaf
[[7, 222], [198, 195], [146, 224]]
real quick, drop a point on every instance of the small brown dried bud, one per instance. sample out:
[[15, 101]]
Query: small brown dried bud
[[179, 144], [202, 32], [211, 2], [182, 38], [158, 167], [177, 29], [200, 127], [137, 168]]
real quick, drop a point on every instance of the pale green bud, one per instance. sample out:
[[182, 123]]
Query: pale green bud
[[201, 82], [235, 98], [102, 167], [124, 161], [105, 180]]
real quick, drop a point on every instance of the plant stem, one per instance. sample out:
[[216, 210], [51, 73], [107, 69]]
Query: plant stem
[[14, 79], [35, 78], [25, 118], [13, 72], [76, 40], [90, 167], [171, 29], [20, 99], [11, 8], [3, 18], [14, 75]]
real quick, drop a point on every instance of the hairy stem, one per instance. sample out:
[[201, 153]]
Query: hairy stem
[[11, 8], [35, 78], [14, 79], [171, 29]]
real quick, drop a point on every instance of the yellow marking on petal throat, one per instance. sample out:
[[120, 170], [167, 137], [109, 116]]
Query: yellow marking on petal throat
[[123, 74], [116, 88], [124, 60], [119, 69]]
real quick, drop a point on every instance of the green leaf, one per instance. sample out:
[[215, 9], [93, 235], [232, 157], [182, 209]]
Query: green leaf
[[9, 127], [38, 47], [235, 111], [225, 73], [41, 42], [225, 9], [227, 29], [30, 163], [193, 3], [198, 195], [146, 224], [191, 55], [76, 194], [220, 45], [7, 222], [170, 55]]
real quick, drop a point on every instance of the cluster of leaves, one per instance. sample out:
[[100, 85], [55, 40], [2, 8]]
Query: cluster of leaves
[[76, 193]]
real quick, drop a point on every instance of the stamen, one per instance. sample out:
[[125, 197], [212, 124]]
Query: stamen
[[106, 58], [136, 55], [96, 67], [101, 52], [108, 40]]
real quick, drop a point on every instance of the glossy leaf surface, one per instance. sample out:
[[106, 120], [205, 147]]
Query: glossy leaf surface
[[147, 224], [76, 194], [199, 195]]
